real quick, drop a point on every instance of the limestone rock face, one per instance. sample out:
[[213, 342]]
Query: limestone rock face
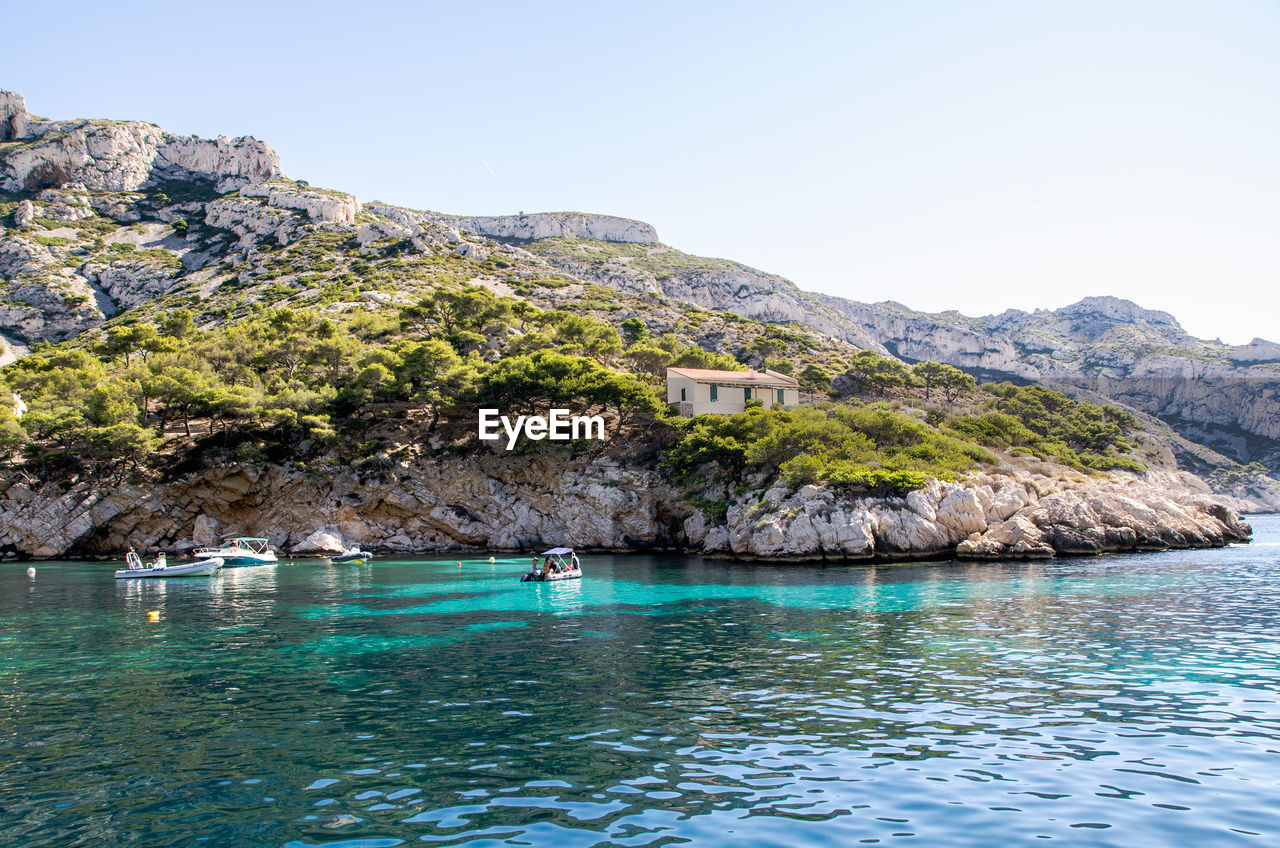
[[13, 116], [120, 155], [985, 517], [328, 206], [251, 219], [489, 501], [543, 225], [24, 214], [131, 282], [43, 297], [961, 512], [231, 163], [70, 205], [492, 501]]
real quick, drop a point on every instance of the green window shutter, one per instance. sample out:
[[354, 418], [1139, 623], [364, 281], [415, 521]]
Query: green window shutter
[[682, 394], [781, 396], [713, 392], [748, 393]]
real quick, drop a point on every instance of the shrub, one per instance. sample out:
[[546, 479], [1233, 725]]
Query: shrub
[[853, 445], [1048, 423]]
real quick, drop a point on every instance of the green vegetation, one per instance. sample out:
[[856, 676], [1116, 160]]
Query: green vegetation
[[281, 376], [1241, 475], [866, 447], [953, 382], [1048, 423], [871, 372]]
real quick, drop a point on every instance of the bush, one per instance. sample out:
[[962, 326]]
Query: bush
[[870, 447], [1048, 423]]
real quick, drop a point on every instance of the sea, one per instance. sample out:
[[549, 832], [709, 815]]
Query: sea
[[1128, 700]]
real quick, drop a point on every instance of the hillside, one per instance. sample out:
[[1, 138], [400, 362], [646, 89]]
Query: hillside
[[184, 314]]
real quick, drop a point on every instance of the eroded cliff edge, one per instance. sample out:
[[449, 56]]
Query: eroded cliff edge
[[496, 502]]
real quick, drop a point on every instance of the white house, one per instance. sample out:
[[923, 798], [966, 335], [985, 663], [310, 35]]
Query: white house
[[697, 391]]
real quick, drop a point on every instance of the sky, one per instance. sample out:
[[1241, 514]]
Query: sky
[[976, 156]]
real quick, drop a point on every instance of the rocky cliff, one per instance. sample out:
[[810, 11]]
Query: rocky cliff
[[490, 501], [544, 225], [119, 155], [1011, 513]]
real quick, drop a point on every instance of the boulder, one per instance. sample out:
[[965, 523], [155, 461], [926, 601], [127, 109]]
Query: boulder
[[907, 532], [326, 540], [961, 512], [325, 206], [1017, 537], [205, 531], [24, 214], [14, 120], [1010, 498]]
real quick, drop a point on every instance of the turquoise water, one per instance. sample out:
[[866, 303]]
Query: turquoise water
[[1129, 700]]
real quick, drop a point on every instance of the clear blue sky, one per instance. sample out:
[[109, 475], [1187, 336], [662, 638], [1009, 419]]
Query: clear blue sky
[[974, 156]]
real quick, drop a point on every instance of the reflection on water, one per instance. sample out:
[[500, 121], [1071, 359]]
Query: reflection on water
[[660, 700]]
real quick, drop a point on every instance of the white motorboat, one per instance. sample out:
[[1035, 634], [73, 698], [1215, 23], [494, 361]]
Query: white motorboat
[[242, 550], [161, 568], [351, 556], [555, 567]]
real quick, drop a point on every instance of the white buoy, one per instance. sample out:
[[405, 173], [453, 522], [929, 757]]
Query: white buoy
[[491, 559], [31, 571]]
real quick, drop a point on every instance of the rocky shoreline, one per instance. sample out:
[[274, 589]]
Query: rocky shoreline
[[1014, 514], [503, 503]]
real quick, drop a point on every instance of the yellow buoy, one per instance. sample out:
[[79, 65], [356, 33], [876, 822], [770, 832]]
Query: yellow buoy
[[153, 615], [491, 559]]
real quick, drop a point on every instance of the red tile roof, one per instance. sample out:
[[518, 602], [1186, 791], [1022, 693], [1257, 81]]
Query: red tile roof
[[737, 378]]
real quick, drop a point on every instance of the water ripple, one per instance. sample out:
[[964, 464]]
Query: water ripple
[[1109, 701]]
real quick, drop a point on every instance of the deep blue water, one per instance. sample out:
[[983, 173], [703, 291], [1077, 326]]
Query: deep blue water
[[1128, 700]]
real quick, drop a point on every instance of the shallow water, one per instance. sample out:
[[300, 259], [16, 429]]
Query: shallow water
[[1128, 700]]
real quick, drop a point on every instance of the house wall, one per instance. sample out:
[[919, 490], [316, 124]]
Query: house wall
[[730, 399]]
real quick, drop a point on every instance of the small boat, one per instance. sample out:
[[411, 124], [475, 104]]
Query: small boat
[[242, 550], [351, 556], [161, 568], [559, 569]]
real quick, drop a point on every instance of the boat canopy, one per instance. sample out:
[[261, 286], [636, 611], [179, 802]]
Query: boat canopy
[[254, 543], [557, 552]]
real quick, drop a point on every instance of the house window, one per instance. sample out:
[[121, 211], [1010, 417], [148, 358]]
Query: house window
[[781, 396], [713, 393], [748, 393], [682, 394]]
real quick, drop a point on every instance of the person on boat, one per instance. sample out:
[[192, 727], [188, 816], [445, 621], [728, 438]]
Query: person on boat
[[574, 565], [533, 571]]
